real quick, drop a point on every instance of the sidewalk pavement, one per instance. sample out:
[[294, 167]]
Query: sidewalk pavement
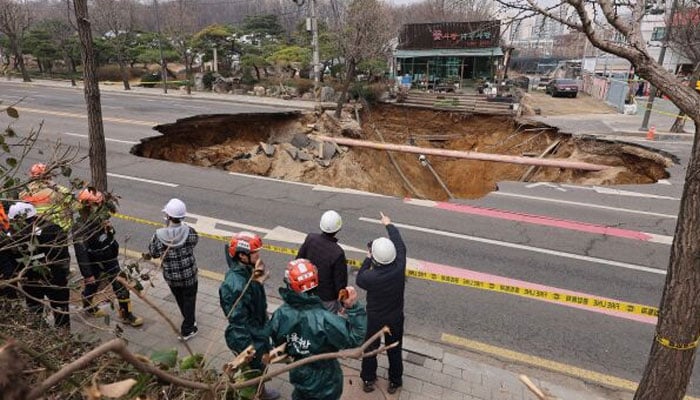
[[431, 370]]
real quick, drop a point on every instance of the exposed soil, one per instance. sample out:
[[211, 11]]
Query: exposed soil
[[232, 142]]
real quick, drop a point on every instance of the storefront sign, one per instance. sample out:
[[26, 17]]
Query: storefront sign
[[449, 35]]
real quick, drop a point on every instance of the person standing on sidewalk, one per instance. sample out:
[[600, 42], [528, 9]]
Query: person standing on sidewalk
[[308, 328], [244, 303], [96, 250], [383, 276], [42, 249], [175, 245], [323, 250]]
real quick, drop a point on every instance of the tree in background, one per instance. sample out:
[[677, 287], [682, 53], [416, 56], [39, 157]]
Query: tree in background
[[362, 34], [15, 21], [672, 354], [180, 27], [115, 20]]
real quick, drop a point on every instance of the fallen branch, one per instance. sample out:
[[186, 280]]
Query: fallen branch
[[117, 346]]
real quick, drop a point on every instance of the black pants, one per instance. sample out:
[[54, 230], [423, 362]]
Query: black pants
[[119, 290], [186, 297], [369, 364], [53, 286]]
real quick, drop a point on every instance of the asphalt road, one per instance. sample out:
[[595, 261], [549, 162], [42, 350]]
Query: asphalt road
[[608, 243]]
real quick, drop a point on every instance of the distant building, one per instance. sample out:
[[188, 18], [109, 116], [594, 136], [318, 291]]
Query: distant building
[[448, 52]]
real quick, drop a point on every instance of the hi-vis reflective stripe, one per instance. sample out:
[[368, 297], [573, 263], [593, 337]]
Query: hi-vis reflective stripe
[[551, 296]]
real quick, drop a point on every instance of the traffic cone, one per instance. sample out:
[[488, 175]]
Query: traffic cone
[[651, 133]]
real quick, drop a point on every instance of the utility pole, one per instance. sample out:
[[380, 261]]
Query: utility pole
[[163, 65], [662, 55], [314, 44]]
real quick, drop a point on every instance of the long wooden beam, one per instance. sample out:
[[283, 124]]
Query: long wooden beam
[[471, 155]]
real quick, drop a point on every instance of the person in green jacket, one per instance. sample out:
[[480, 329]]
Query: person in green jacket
[[309, 328], [247, 320]]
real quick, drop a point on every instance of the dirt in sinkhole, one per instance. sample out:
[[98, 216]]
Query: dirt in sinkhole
[[232, 142]]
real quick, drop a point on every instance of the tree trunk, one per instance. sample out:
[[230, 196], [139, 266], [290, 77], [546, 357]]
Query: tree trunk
[[672, 355], [349, 76], [679, 123], [123, 73], [188, 75], [257, 72], [97, 149], [19, 59], [69, 65]]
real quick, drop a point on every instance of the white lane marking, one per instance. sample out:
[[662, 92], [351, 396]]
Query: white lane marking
[[543, 220], [282, 234], [265, 178], [663, 182], [525, 248], [133, 178], [209, 225], [620, 192], [579, 204], [106, 139], [324, 188], [546, 184]]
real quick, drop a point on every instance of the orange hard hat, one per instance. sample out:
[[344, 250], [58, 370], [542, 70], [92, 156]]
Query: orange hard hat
[[4, 221], [91, 196], [301, 275], [37, 170], [244, 242]]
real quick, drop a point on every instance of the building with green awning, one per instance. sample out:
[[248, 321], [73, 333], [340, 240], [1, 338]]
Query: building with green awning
[[448, 52]]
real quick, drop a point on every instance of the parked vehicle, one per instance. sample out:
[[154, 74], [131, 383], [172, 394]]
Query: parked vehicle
[[542, 83], [562, 87]]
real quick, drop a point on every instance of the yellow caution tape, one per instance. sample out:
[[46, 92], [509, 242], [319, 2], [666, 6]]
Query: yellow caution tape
[[556, 297], [676, 345], [589, 302], [657, 111]]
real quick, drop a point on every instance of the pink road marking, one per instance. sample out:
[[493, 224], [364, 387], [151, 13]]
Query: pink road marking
[[544, 220], [500, 280]]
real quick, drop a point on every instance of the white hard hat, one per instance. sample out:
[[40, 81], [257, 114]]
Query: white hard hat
[[383, 251], [21, 209], [331, 222], [175, 208]]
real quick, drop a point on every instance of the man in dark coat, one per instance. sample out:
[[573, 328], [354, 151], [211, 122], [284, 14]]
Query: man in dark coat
[[383, 276], [323, 250], [43, 254]]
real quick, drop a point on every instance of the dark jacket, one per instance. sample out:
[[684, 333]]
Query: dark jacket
[[325, 253], [96, 248], [246, 323], [309, 329], [49, 256], [385, 284]]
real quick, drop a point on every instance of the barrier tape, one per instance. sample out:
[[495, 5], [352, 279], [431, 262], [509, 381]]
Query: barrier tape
[[565, 298], [675, 345], [551, 296]]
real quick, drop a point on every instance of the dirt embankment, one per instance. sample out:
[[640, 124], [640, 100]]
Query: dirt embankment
[[233, 143]]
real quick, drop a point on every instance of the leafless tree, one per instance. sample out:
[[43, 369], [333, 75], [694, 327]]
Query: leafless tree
[[445, 11], [115, 19], [180, 26], [684, 39], [363, 34], [97, 147], [15, 20], [670, 362]]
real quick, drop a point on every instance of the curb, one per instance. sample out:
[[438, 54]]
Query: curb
[[274, 103]]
